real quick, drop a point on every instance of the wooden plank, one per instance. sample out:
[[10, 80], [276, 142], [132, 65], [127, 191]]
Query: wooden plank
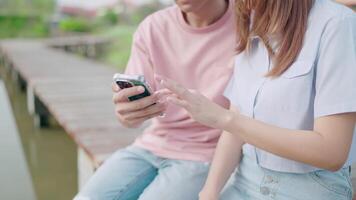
[[76, 91], [61, 42]]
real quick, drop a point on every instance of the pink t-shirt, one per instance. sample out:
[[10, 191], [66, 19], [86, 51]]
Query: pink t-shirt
[[197, 58]]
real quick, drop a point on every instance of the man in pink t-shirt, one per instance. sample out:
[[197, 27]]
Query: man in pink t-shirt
[[192, 43]]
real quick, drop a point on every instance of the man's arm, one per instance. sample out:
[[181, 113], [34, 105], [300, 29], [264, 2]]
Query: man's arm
[[133, 114]]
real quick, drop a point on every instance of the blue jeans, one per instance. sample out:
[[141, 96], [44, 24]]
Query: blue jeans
[[252, 182], [134, 173]]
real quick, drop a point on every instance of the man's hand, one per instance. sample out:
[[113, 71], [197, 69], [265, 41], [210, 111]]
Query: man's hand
[[132, 114]]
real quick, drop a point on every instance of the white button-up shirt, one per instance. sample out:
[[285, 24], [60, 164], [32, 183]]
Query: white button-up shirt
[[321, 82]]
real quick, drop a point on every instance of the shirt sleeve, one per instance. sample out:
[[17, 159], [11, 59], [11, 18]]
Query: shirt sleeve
[[335, 82], [230, 90], [140, 62]]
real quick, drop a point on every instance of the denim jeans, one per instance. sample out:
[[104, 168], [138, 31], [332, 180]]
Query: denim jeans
[[134, 173], [252, 182]]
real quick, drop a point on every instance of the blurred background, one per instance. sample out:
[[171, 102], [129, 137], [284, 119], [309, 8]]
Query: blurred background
[[41, 161], [48, 18]]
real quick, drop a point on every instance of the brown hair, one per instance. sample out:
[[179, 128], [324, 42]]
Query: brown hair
[[286, 19]]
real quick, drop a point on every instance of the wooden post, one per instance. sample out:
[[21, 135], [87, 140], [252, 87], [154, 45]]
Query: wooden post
[[81, 50], [14, 75], [2, 57], [41, 114], [91, 51], [86, 168], [7, 64], [30, 96], [22, 83], [18, 80]]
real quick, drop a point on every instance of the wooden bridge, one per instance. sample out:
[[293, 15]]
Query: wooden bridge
[[73, 90]]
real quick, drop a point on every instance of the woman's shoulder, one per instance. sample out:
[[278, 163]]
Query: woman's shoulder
[[327, 18], [328, 10]]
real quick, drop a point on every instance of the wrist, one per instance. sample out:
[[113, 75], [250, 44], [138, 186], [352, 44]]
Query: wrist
[[212, 187], [229, 121], [210, 191]]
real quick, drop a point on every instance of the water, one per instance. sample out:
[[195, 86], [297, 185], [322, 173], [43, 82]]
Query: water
[[50, 154]]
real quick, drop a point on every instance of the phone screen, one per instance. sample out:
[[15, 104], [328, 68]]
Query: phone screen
[[127, 84], [124, 84]]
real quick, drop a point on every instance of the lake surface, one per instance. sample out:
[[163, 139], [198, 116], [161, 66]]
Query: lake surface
[[41, 162]]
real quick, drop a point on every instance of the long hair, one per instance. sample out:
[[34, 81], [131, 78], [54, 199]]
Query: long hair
[[285, 20]]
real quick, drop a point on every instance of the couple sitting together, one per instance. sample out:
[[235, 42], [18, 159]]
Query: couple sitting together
[[259, 102]]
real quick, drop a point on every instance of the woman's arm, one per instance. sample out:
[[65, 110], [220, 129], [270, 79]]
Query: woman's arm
[[347, 2], [327, 146], [227, 156]]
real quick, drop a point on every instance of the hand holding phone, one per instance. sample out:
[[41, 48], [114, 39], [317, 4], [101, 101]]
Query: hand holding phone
[[128, 81], [133, 107]]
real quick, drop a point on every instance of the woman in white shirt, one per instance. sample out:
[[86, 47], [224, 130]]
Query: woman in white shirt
[[293, 104]]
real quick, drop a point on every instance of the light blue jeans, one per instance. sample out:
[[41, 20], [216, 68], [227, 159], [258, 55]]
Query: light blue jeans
[[252, 182], [134, 173]]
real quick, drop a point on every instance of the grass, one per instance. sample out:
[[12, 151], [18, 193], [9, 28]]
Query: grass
[[29, 19], [23, 18], [22, 26], [26, 7], [119, 50]]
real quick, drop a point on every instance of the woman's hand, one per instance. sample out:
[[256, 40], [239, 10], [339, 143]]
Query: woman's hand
[[199, 107]]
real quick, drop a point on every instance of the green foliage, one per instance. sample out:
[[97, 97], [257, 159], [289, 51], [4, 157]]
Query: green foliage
[[110, 17], [118, 52], [22, 26], [143, 12], [23, 18], [75, 25], [26, 7]]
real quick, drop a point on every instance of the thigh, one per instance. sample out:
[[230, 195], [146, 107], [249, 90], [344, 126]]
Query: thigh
[[122, 177], [320, 184], [177, 180], [231, 192], [239, 187], [254, 182]]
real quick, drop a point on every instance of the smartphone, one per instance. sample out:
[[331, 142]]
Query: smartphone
[[127, 81]]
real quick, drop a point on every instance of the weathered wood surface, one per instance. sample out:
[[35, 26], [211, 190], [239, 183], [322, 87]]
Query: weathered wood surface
[[76, 92], [87, 45]]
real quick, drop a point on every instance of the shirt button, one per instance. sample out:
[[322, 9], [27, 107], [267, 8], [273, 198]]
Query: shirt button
[[265, 190]]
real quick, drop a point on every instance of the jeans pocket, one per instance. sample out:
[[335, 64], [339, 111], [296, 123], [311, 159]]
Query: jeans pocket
[[337, 182]]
